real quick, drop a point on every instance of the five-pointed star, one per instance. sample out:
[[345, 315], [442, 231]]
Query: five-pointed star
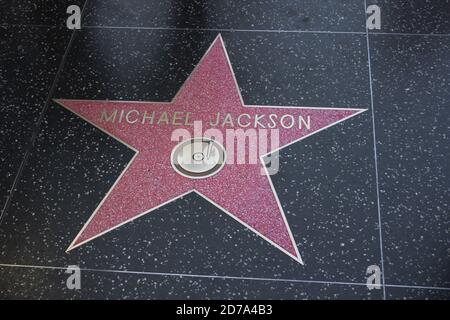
[[149, 181]]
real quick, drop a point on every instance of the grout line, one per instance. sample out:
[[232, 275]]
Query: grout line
[[417, 287], [232, 30], [186, 275], [206, 276], [20, 25], [380, 232], [222, 29], [37, 126], [267, 30], [410, 34]]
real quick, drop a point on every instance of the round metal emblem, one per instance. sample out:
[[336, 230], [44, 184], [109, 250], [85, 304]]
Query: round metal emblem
[[198, 158]]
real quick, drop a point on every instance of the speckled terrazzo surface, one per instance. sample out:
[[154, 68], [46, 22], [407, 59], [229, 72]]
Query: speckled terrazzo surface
[[332, 190]]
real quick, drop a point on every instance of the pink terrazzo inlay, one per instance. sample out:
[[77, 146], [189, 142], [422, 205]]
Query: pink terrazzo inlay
[[150, 181]]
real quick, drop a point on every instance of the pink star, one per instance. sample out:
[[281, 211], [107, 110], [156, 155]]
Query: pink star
[[149, 181]]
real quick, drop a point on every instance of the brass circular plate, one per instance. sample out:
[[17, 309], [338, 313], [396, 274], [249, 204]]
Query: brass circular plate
[[198, 158]]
